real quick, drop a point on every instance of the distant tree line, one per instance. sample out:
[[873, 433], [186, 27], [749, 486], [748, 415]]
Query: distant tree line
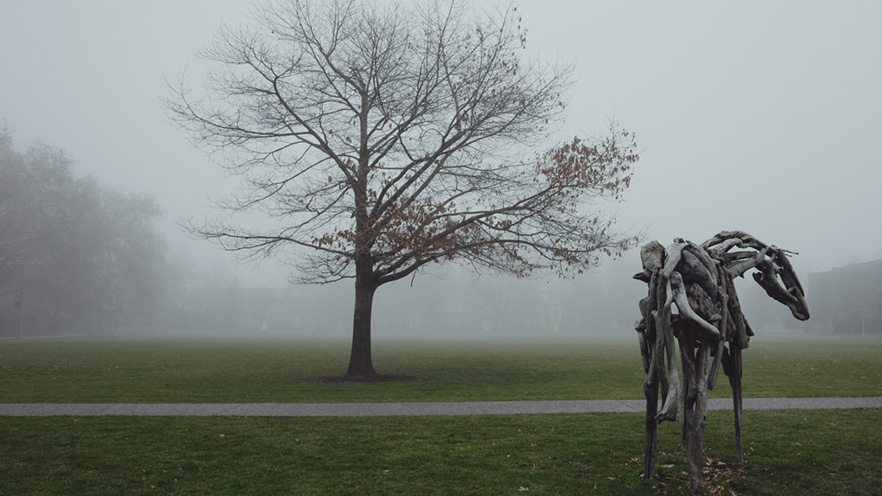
[[75, 256], [848, 300]]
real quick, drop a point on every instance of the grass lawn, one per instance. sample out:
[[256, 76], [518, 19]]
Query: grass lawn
[[241, 371], [788, 453]]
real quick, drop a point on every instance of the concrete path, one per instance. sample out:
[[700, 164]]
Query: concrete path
[[388, 409]]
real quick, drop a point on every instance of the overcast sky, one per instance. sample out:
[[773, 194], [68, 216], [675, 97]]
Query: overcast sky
[[758, 116]]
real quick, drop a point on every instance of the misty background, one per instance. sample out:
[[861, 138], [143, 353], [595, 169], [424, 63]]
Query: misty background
[[751, 116]]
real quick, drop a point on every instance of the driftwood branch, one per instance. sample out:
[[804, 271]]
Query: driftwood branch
[[698, 280]]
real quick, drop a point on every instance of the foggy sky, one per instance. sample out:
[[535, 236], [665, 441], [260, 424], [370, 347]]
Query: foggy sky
[[758, 116]]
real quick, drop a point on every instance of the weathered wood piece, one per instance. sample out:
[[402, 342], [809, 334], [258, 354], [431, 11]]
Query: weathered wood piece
[[697, 279]]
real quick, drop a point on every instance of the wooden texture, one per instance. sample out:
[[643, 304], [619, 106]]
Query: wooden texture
[[708, 324]]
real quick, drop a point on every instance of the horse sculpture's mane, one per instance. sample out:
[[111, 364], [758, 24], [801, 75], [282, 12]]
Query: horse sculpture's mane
[[697, 279]]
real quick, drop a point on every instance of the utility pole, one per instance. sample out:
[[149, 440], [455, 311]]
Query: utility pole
[[863, 322], [20, 304]]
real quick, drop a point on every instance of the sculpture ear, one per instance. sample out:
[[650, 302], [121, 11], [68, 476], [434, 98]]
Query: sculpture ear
[[642, 276]]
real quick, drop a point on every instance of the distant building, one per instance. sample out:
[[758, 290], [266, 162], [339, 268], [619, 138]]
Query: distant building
[[847, 300]]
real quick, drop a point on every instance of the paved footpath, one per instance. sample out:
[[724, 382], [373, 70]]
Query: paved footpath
[[389, 409]]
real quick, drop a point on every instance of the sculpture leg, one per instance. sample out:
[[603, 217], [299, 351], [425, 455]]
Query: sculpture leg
[[650, 454], [735, 381], [700, 413], [695, 413]]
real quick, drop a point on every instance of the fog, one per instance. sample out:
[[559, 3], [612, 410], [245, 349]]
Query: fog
[[754, 116]]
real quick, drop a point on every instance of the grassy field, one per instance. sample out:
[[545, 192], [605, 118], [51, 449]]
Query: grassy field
[[238, 371], [788, 452]]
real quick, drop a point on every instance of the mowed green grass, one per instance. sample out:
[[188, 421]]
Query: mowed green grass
[[239, 370], [787, 453]]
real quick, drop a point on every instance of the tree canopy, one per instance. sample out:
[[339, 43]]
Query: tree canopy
[[381, 138]]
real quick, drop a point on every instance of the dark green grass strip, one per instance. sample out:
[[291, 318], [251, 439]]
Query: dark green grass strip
[[788, 452], [287, 371]]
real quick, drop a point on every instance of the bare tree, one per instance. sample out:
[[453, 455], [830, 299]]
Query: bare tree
[[384, 138]]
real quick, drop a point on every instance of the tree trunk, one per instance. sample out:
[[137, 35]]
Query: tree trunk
[[361, 365]]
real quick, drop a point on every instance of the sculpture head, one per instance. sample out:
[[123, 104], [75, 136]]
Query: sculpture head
[[777, 277], [775, 273]]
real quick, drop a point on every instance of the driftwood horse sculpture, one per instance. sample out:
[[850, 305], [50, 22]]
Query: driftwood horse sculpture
[[709, 327]]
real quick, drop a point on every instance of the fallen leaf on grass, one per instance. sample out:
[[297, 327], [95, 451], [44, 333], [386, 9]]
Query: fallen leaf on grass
[[523, 489]]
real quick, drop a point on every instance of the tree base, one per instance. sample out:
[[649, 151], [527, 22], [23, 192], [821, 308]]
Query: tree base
[[370, 378]]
